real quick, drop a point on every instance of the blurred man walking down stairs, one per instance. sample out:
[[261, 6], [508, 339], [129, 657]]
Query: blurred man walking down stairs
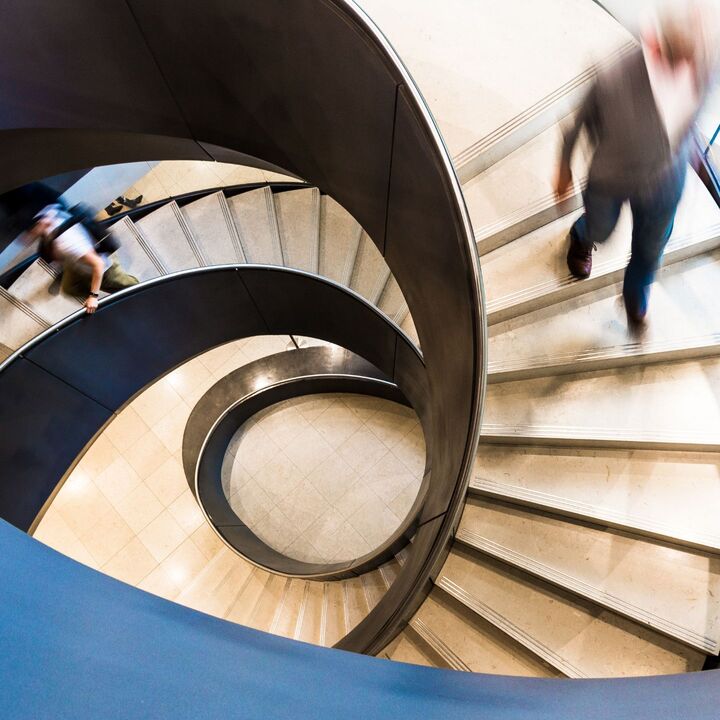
[[639, 115]]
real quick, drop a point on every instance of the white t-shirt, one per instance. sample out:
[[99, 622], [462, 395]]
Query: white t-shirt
[[74, 243]]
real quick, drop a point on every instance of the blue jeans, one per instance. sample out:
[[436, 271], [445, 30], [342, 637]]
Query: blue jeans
[[653, 218]]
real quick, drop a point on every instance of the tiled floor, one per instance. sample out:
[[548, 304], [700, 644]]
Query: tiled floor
[[171, 178], [326, 478], [126, 508]]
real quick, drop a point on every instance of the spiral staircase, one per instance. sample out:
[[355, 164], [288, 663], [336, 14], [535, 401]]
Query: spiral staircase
[[587, 541]]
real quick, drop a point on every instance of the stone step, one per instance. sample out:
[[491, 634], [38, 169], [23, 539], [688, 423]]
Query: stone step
[[171, 238], [136, 254], [211, 225], [618, 572], [532, 273], [564, 631], [590, 332], [668, 407], [256, 223], [371, 273], [38, 288], [468, 642], [298, 215], [667, 496], [18, 322], [339, 241]]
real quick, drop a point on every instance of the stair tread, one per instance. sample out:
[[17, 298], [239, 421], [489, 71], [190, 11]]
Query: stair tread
[[298, 222], [674, 496], [164, 231], [18, 325], [210, 226], [664, 403], [596, 642], [478, 644], [519, 184], [39, 289], [627, 570], [682, 307], [255, 220], [133, 254], [339, 239], [515, 285], [370, 272]]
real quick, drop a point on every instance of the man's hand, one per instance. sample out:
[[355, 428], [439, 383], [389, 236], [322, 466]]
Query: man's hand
[[563, 179], [91, 304]]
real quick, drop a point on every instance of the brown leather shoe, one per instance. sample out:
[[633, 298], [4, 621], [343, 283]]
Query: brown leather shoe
[[579, 258]]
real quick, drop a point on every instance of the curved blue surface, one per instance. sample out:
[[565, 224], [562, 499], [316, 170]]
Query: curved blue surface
[[77, 644]]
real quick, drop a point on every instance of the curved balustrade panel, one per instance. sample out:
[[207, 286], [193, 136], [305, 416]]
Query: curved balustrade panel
[[59, 390], [80, 645], [310, 86]]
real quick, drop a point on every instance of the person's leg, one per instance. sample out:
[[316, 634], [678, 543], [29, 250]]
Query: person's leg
[[74, 283], [115, 278], [593, 227], [653, 220]]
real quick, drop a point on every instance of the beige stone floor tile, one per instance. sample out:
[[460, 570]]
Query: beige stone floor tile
[[283, 424], [261, 346], [402, 503], [276, 529], [362, 450], [215, 358], [187, 513], [390, 423], [389, 477], [154, 403], [279, 477], [237, 360], [139, 508], [302, 549], [411, 450], [347, 545], [263, 449], [250, 501], [147, 455], [100, 455], [312, 406], [162, 536], [106, 535], [131, 564], [333, 478], [118, 480], [357, 496], [170, 429], [375, 522], [336, 424], [55, 532], [126, 429], [191, 381], [82, 508], [168, 481], [303, 505], [159, 582], [308, 450], [184, 564], [75, 485], [364, 406], [207, 541]]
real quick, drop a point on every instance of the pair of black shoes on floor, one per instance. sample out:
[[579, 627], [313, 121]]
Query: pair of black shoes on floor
[[119, 203]]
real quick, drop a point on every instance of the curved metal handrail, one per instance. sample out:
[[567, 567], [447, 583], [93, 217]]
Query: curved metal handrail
[[229, 91], [213, 423]]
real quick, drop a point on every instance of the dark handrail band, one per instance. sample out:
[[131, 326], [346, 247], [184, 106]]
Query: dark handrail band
[[259, 385], [229, 85]]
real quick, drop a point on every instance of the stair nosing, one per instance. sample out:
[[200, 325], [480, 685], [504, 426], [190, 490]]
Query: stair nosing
[[589, 592], [438, 645], [509, 628], [529, 497]]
